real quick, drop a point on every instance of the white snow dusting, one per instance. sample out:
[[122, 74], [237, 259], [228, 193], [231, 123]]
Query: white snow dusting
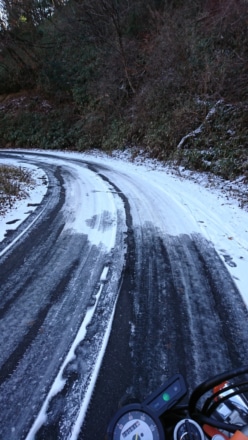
[[195, 202], [21, 209], [186, 203], [59, 382]]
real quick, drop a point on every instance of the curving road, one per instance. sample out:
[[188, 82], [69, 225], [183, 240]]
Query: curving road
[[100, 267]]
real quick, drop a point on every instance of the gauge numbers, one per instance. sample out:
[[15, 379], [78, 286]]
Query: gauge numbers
[[136, 425]]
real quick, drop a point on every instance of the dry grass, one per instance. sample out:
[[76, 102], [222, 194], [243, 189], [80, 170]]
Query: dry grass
[[13, 181]]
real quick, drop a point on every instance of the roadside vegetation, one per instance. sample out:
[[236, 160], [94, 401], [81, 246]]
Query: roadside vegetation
[[13, 181], [168, 76]]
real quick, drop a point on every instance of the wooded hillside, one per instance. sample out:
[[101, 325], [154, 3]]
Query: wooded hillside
[[170, 76]]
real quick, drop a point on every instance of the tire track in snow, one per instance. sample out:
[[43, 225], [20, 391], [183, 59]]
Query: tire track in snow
[[178, 311], [77, 268], [186, 316]]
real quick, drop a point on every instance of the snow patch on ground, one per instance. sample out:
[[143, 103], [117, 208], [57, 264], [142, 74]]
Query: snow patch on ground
[[82, 215], [217, 208], [21, 209]]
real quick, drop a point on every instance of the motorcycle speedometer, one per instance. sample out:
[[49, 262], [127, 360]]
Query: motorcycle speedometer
[[135, 422], [140, 421]]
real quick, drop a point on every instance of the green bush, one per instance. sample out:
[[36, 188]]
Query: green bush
[[26, 129], [221, 146]]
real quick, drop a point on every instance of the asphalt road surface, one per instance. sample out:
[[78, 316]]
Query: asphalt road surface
[[96, 265]]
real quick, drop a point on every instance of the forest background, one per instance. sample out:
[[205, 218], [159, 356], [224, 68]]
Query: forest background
[[167, 76]]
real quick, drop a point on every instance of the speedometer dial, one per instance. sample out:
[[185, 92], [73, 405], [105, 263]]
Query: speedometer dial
[[135, 423]]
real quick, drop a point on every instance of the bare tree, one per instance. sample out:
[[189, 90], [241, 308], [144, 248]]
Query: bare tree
[[105, 22]]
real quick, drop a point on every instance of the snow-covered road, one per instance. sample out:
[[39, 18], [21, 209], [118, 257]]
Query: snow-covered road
[[167, 254]]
